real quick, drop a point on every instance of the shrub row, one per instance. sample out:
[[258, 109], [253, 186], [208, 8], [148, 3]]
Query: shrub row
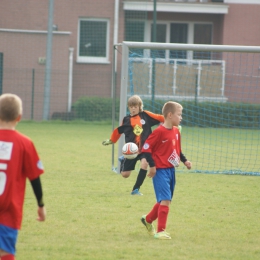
[[94, 108], [211, 114], [206, 114]]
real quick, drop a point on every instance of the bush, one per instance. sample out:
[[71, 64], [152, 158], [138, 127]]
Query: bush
[[94, 108], [202, 114], [212, 114]]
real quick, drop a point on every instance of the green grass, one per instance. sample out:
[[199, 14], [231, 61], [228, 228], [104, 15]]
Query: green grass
[[91, 215]]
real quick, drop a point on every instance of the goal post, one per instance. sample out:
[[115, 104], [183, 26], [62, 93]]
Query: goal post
[[219, 88]]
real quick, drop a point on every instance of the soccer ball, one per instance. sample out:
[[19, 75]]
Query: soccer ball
[[130, 150]]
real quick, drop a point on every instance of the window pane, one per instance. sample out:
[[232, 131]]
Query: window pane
[[134, 31], [202, 35], [160, 37], [178, 34], [93, 38]]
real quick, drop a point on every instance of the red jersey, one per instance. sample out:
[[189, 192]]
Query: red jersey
[[18, 161], [165, 146]]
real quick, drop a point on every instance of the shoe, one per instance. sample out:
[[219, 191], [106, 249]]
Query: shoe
[[162, 235], [150, 227], [121, 158], [136, 192]]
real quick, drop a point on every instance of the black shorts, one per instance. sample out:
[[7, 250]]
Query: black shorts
[[129, 164]]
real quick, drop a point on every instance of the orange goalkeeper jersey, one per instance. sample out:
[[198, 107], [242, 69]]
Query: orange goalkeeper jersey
[[137, 128]]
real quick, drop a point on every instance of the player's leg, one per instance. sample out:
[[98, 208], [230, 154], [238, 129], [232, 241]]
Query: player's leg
[[127, 166], [7, 257], [8, 239], [164, 184], [141, 176]]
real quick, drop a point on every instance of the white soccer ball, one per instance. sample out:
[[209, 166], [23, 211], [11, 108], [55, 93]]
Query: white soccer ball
[[130, 150]]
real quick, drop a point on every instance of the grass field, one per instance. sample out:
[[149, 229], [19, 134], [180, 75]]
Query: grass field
[[91, 215]]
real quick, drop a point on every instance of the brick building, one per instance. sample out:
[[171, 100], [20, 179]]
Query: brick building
[[87, 30]]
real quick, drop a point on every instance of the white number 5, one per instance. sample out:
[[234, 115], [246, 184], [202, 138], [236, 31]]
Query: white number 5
[[2, 182]]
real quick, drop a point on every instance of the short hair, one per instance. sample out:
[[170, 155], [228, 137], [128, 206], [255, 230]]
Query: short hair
[[170, 106], [135, 100], [10, 107]]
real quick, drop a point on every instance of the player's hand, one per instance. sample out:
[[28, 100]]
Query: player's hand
[[107, 142], [41, 213], [188, 165], [152, 172]]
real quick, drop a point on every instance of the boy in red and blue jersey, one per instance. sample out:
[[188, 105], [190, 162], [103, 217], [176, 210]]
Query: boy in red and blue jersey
[[18, 161], [162, 150]]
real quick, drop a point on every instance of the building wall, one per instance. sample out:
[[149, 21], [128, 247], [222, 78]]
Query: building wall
[[25, 76], [240, 26]]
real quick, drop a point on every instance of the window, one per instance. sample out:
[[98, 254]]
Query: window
[[202, 35], [160, 37], [178, 34], [93, 40], [172, 32]]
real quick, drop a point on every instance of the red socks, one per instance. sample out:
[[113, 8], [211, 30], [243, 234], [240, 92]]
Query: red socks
[[162, 217], [161, 212], [7, 257], [153, 214]]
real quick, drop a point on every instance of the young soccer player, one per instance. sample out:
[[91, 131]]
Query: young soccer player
[[137, 127], [18, 161], [162, 150]]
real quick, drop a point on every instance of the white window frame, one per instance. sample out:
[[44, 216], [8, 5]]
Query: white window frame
[[93, 59]]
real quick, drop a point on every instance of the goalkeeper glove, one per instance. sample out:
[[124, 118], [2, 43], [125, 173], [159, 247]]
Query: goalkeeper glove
[[179, 127], [107, 142]]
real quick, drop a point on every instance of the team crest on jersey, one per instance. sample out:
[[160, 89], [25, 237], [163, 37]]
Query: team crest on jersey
[[173, 142], [142, 121], [146, 146], [40, 165], [138, 130], [5, 150]]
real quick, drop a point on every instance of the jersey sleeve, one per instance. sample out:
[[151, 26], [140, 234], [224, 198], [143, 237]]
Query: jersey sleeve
[[159, 118], [118, 131], [151, 142], [32, 167], [149, 146], [115, 135]]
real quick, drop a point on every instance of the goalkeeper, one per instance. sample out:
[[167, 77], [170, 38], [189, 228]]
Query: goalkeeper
[[137, 127]]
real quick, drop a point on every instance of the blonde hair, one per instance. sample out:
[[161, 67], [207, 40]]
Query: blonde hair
[[10, 107], [170, 107], [135, 100]]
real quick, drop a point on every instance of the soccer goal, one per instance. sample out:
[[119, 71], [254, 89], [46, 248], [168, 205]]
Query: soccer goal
[[219, 88]]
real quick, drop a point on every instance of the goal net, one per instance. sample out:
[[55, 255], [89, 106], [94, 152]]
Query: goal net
[[219, 89]]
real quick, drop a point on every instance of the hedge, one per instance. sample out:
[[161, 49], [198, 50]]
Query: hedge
[[204, 114]]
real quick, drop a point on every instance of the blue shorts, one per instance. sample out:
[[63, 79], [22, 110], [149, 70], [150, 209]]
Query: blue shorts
[[164, 183], [8, 238]]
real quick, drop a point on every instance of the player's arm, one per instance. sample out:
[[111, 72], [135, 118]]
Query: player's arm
[[157, 117], [150, 161], [37, 189], [116, 134], [186, 162], [113, 138], [183, 158], [147, 151]]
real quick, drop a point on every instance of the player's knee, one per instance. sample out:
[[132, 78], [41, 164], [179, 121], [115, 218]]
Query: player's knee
[[125, 174], [144, 164]]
